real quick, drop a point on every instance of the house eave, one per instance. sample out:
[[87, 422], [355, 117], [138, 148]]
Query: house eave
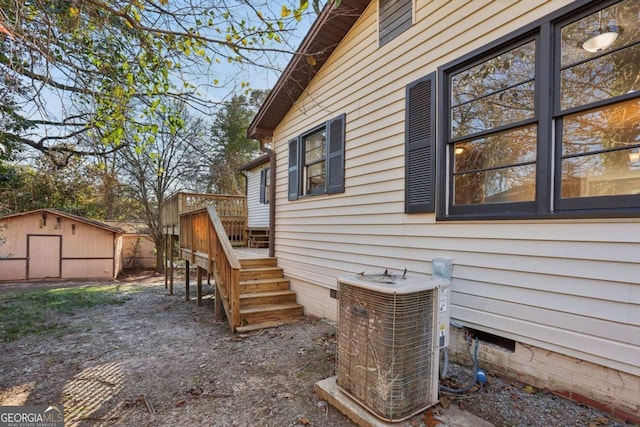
[[255, 162], [322, 39]]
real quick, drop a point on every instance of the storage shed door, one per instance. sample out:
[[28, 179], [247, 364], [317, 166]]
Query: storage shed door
[[44, 256]]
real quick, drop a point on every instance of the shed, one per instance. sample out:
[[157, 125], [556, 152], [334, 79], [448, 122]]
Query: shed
[[138, 248], [47, 244]]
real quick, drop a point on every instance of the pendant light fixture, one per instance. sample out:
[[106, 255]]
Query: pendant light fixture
[[601, 41], [602, 38]]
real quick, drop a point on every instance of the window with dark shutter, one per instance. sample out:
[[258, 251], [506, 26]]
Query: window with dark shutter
[[395, 16], [420, 146], [316, 160], [264, 185], [294, 187], [335, 156]]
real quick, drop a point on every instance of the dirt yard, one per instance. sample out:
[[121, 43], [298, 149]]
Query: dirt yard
[[160, 361], [156, 360]]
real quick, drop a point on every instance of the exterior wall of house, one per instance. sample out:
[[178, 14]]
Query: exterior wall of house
[[571, 287], [258, 212], [87, 252]]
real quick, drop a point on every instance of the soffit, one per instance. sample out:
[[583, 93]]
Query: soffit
[[324, 36]]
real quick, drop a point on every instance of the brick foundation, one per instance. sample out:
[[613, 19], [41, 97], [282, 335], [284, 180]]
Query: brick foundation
[[614, 392]]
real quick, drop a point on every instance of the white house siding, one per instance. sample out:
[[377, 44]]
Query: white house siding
[[571, 286], [258, 212]]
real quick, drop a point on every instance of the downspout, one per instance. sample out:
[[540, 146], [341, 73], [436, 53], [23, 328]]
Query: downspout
[[272, 197]]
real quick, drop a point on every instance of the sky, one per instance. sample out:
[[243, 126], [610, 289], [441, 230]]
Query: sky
[[230, 76]]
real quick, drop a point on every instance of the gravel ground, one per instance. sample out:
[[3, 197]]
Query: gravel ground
[[510, 403], [157, 360]]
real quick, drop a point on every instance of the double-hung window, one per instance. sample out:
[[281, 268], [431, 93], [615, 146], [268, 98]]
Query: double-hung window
[[545, 122], [316, 160]]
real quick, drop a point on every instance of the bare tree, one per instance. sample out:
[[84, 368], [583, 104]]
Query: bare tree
[[158, 167]]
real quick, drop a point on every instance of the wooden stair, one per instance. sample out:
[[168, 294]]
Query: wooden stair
[[258, 237], [265, 298]]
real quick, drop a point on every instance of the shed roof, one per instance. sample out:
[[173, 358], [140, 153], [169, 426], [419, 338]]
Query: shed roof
[[325, 34], [70, 216], [131, 227]]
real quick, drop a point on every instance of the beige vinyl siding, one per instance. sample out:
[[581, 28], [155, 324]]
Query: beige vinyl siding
[[572, 286], [258, 212]]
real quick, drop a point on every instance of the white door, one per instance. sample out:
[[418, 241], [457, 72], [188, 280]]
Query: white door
[[44, 254]]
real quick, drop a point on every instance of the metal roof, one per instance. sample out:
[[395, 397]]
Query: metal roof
[[325, 34]]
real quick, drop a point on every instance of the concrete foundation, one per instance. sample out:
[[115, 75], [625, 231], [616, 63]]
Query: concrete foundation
[[328, 390]]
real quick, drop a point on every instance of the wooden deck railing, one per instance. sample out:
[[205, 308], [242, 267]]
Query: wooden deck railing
[[232, 211], [204, 236]]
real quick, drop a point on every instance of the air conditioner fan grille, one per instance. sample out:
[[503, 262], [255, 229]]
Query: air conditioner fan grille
[[386, 350]]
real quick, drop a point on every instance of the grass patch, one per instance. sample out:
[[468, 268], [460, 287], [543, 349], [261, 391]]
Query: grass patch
[[35, 312]]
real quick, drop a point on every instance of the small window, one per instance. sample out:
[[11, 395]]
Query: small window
[[395, 17], [316, 160], [265, 182]]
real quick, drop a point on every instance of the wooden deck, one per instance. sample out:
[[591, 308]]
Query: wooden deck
[[251, 253], [249, 285]]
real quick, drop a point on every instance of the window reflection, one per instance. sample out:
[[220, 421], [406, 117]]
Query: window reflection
[[314, 162], [600, 151], [511, 184], [497, 92]]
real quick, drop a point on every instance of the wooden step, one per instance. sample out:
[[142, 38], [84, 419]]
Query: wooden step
[[260, 273], [264, 285], [265, 325], [264, 298], [269, 313], [258, 262]]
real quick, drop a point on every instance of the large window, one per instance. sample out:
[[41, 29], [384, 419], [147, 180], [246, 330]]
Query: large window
[[316, 160], [546, 122]]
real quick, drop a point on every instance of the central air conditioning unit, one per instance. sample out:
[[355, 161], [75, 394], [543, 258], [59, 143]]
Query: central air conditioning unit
[[390, 330]]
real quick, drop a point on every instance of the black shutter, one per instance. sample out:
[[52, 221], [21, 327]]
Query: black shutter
[[420, 146], [335, 155], [294, 159], [263, 182]]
